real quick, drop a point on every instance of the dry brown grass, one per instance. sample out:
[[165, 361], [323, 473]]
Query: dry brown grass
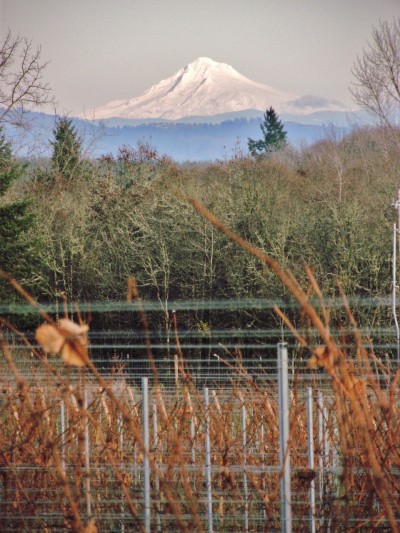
[[39, 460]]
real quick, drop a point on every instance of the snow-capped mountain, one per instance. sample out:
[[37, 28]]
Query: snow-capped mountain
[[204, 88]]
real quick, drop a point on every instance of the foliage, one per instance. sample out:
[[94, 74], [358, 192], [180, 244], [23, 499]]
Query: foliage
[[20, 247], [135, 164], [328, 205], [67, 148], [274, 135]]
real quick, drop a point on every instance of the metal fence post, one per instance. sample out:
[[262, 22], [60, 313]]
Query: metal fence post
[[62, 436], [321, 432], [192, 436], [155, 446], [146, 463], [283, 393], [208, 459], [394, 291], [327, 451], [121, 444], [87, 454], [310, 438], [120, 425], [245, 487], [262, 450]]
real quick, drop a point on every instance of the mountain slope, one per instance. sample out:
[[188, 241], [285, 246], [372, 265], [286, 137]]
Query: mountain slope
[[204, 87]]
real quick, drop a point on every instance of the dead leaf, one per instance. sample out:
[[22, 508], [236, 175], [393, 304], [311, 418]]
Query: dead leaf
[[49, 338], [67, 338], [318, 357], [72, 328]]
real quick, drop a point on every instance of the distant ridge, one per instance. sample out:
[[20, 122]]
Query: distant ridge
[[318, 118], [181, 140]]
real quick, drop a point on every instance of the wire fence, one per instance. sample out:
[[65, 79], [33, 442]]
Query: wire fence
[[189, 439], [243, 461]]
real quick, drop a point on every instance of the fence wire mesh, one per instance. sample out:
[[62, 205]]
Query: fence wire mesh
[[72, 448]]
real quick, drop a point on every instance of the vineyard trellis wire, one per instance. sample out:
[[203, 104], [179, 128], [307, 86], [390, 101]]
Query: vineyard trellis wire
[[60, 428]]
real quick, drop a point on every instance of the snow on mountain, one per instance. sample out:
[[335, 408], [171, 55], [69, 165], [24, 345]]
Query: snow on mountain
[[204, 87]]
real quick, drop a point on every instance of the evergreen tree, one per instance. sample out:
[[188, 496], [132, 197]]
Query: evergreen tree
[[274, 135], [67, 149], [19, 244]]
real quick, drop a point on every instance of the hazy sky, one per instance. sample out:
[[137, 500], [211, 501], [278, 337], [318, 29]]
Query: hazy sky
[[101, 50]]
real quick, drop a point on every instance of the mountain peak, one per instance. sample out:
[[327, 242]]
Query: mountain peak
[[208, 63], [203, 87], [204, 60], [202, 70]]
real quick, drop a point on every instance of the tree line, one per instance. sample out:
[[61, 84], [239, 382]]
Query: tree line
[[80, 228]]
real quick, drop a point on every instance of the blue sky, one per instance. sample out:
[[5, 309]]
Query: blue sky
[[100, 50]]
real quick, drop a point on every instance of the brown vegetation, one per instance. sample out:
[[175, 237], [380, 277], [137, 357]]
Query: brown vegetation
[[359, 484]]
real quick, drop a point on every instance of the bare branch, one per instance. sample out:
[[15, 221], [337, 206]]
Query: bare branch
[[21, 79], [377, 74]]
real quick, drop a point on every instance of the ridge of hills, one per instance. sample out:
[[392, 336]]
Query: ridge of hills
[[181, 140]]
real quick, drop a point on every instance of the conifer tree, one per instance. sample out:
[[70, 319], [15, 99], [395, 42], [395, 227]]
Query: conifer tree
[[67, 149], [19, 245], [274, 135]]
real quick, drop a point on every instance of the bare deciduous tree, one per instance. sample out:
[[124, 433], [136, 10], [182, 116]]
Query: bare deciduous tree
[[21, 79], [377, 74]]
